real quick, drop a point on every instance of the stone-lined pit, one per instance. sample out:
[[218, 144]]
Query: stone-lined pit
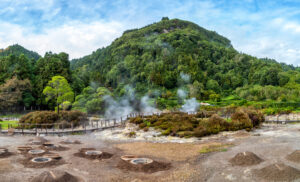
[[41, 159], [128, 157], [142, 161], [36, 152], [92, 153]]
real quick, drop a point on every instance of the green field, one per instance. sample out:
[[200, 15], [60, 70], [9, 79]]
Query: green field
[[5, 124]]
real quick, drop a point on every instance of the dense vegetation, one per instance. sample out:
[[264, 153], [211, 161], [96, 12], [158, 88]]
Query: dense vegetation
[[17, 50], [22, 80], [65, 118], [155, 60], [185, 125], [152, 59]]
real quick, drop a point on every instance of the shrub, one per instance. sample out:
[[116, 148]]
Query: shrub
[[51, 117], [200, 131], [188, 125], [241, 120]]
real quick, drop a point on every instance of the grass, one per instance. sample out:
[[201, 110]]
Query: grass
[[215, 148], [11, 116], [5, 124]]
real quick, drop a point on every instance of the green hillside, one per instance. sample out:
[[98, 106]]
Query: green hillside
[[153, 58], [169, 62], [17, 50]]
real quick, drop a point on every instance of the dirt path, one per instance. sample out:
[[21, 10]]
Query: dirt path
[[271, 143]]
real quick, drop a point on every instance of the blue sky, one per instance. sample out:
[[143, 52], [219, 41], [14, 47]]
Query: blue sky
[[269, 28]]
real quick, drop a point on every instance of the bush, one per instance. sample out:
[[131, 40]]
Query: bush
[[188, 125], [240, 120], [51, 117]]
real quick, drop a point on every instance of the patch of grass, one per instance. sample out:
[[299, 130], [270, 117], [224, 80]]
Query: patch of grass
[[215, 148], [11, 116], [4, 124]]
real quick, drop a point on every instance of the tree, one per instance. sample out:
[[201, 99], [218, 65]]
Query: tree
[[47, 67], [59, 90], [12, 92]]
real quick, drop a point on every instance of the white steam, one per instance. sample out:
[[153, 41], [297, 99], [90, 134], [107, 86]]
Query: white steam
[[115, 109], [181, 94], [146, 107], [190, 105]]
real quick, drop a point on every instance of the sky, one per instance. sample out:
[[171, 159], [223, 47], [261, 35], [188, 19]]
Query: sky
[[262, 28]]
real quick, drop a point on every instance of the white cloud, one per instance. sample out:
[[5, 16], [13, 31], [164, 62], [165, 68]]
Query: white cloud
[[76, 38]]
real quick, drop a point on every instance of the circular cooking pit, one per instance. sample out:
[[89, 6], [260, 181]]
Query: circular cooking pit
[[36, 152], [93, 152], [141, 161], [36, 142], [48, 144], [2, 151], [41, 159], [128, 157]]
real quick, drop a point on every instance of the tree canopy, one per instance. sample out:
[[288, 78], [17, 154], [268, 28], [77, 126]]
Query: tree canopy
[[59, 90]]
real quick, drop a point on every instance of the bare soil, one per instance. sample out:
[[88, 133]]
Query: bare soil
[[29, 164], [272, 143], [81, 153], [55, 148], [278, 172], [169, 151], [55, 176], [294, 157], [6, 153], [147, 168], [245, 159]]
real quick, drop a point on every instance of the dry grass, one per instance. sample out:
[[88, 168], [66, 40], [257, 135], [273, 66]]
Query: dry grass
[[169, 151]]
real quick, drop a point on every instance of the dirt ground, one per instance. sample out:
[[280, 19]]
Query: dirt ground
[[271, 143]]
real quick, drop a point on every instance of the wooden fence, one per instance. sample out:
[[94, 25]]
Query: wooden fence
[[95, 124]]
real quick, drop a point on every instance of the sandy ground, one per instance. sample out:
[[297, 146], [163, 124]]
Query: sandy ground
[[272, 143]]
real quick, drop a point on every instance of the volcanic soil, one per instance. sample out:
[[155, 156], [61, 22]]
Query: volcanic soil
[[270, 146]]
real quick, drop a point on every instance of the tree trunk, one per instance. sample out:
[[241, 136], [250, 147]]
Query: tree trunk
[[58, 109]]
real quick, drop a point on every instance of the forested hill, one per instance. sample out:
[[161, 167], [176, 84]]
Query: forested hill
[[17, 50], [153, 58]]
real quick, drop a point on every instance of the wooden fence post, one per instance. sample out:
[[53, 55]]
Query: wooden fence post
[[72, 126]]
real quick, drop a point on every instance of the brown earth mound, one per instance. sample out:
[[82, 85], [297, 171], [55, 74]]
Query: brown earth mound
[[5, 153], [278, 172], [146, 168], [55, 176], [294, 157], [55, 148], [82, 154], [29, 164], [245, 159], [38, 141], [70, 142]]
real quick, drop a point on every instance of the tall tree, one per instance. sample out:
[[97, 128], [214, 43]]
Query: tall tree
[[12, 92], [59, 90]]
